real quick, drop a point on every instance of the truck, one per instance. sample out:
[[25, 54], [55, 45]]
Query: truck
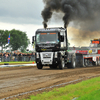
[[51, 46], [90, 57]]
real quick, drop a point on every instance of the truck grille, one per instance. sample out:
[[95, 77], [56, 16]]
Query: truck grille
[[47, 55], [46, 45]]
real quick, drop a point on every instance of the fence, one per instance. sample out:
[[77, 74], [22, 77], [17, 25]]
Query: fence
[[17, 58]]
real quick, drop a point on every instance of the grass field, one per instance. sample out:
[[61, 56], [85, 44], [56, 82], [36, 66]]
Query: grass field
[[85, 90], [24, 62], [95, 95]]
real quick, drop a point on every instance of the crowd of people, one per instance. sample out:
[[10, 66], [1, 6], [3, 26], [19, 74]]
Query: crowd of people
[[17, 56]]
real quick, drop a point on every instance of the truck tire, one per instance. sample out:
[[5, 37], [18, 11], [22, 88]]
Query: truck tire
[[54, 66], [68, 65], [39, 66], [61, 63], [51, 66], [95, 63], [98, 61], [73, 63], [85, 62]]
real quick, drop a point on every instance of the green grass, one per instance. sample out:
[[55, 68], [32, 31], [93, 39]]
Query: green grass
[[85, 90], [95, 95], [18, 62]]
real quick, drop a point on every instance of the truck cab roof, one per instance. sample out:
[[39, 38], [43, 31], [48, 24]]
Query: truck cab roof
[[51, 29]]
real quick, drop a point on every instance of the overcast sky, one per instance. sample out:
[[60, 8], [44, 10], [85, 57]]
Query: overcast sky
[[21, 12], [25, 15]]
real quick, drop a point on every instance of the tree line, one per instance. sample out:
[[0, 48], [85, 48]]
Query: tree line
[[18, 40]]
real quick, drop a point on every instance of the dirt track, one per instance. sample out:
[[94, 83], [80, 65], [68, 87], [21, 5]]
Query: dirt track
[[18, 80]]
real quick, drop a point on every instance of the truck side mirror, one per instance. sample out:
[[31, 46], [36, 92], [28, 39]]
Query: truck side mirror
[[62, 38], [33, 39]]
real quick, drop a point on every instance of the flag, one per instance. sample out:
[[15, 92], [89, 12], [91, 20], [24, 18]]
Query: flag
[[9, 39]]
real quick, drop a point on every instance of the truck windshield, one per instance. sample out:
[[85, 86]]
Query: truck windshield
[[47, 38]]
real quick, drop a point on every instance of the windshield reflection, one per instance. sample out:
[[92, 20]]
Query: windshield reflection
[[47, 38]]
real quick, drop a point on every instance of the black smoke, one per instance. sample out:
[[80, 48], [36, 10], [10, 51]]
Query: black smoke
[[81, 11], [50, 6]]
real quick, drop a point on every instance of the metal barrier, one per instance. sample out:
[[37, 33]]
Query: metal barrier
[[17, 58], [0, 59]]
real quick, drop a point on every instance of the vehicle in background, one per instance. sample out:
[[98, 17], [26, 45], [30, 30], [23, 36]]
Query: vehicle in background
[[51, 48]]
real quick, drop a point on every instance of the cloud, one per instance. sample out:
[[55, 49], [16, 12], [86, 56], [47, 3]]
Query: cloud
[[25, 15], [23, 11]]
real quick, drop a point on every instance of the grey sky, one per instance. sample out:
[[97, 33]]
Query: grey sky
[[29, 12], [21, 11], [25, 15]]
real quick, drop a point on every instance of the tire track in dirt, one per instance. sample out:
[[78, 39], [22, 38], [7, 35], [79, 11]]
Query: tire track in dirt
[[14, 81]]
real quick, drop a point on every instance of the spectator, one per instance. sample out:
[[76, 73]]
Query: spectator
[[15, 56], [4, 57], [19, 55], [1, 57]]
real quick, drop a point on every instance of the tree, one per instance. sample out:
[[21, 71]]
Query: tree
[[18, 40], [3, 39]]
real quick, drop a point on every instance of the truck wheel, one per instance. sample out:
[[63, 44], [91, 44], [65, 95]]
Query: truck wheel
[[54, 66], [68, 65], [39, 66], [85, 62], [96, 63], [61, 63], [73, 62], [99, 61], [51, 66]]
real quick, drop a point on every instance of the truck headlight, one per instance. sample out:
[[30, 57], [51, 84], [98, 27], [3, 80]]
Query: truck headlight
[[37, 55], [56, 55]]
